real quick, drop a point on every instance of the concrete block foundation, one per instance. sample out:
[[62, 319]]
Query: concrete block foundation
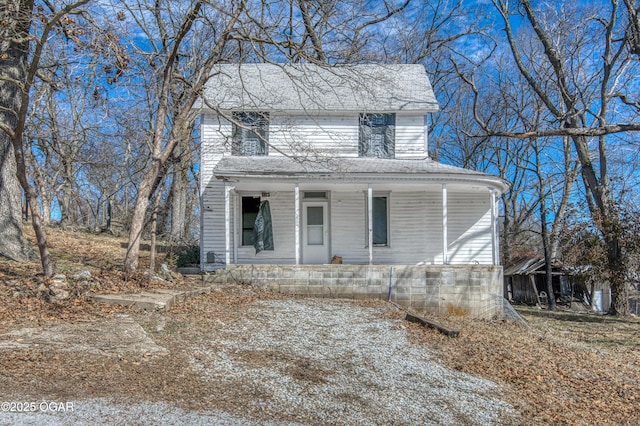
[[472, 290]]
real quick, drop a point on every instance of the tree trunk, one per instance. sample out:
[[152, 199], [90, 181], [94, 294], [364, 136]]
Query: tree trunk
[[617, 276], [108, 214], [36, 221], [607, 220], [14, 48], [178, 202], [13, 245], [191, 203], [81, 208], [551, 295], [40, 184], [505, 244], [548, 267], [64, 202], [154, 229], [145, 189], [181, 121]]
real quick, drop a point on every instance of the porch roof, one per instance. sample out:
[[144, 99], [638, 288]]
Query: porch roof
[[353, 168]]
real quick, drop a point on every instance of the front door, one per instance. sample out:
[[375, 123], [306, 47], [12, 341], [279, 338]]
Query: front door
[[315, 233]]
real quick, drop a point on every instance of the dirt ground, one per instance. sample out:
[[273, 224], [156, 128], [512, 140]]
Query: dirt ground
[[564, 368]]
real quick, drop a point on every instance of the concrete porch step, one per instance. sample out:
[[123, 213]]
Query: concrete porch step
[[151, 300]]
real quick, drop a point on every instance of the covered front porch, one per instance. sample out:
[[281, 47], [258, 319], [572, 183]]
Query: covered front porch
[[361, 210], [373, 222]]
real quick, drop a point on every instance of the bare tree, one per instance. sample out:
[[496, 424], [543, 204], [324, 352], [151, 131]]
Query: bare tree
[[168, 48], [14, 53], [19, 70], [579, 99]]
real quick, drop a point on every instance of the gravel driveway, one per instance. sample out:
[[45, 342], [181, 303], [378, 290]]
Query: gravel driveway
[[306, 361]]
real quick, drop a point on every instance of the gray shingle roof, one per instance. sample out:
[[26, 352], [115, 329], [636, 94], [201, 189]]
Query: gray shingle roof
[[296, 87], [266, 166]]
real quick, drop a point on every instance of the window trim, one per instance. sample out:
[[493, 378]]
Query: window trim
[[311, 195], [249, 122], [381, 194], [387, 131]]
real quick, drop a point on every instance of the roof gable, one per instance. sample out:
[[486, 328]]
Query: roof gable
[[311, 88]]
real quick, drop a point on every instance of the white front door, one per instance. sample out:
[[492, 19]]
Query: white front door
[[315, 233]]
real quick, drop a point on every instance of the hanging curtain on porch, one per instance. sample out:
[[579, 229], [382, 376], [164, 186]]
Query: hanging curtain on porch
[[262, 230]]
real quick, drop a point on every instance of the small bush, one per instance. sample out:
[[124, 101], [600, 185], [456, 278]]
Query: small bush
[[186, 255]]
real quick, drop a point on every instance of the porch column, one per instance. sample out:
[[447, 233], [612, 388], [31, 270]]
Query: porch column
[[494, 230], [445, 213], [296, 210], [227, 223], [370, 222]]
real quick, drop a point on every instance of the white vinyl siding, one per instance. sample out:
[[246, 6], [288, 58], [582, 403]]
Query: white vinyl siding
[[414, 228], [214, 132], [469, 227], [348, 229], [316, 136], [212, 232], [336, 136], [410, 135]]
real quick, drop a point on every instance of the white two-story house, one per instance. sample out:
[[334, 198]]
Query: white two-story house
[[302, 165]]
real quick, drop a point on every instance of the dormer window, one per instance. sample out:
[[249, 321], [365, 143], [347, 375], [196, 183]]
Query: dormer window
[[250, 133], [377, 135]]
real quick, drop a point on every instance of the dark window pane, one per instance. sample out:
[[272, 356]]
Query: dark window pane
[[315, 194], [314, 215], [315, 225], [380, 221], [250, 207]]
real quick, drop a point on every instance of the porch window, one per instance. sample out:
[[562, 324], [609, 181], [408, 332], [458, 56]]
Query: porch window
[[250, 208], [250, 133], [380, 214], [377, 135], [380, 222]]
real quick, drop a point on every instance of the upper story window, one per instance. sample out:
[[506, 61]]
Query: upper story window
[[250, 133], [377, 135]]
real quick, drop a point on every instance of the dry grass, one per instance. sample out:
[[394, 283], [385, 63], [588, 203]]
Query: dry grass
[[567, 368], [72, 252]]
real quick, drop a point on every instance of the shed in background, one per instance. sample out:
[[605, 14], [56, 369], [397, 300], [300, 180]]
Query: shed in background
[[524, 282]]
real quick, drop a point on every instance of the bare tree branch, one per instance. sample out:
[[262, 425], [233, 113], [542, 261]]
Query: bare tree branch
[[572, 131]]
